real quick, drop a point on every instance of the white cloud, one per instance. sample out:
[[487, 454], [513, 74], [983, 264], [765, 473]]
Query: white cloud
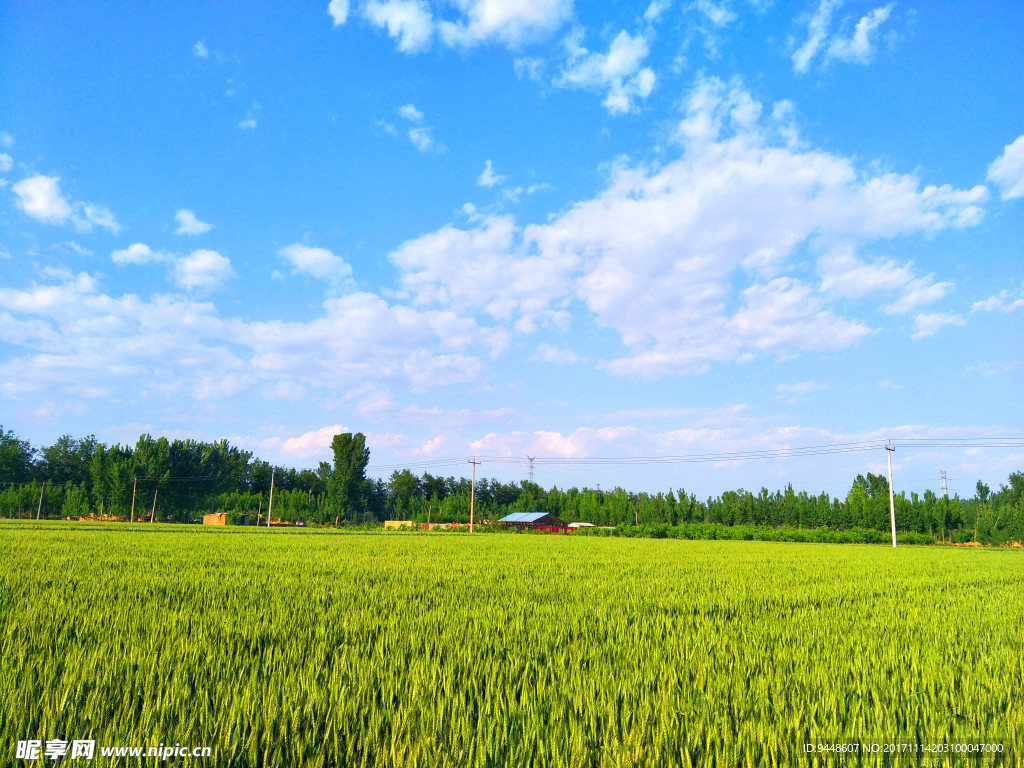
[[917, 293], [843, 274], [1007, 170], [817, 31], [312, 443], [338, 9], [423, 140], [656, 9], [546, 353], [408, 21], [421, 136], [410, 113], [6, 162], [138, 253], [202, 269], [658, 254], [248, 123], [529, 67], [618, 72], [510, 23], [40, 197], [483, 270], [6, 140], [317, 262], [928, 324], [81, 341], [1004, 301], [188, 224], [860, 47], [488, 178], [718, 14], [200, 51]]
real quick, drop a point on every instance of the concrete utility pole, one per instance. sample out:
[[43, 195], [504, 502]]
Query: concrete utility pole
[[152, 516], [271, 507], [472, 494], [889, 449], [41, 491], [135, 482]]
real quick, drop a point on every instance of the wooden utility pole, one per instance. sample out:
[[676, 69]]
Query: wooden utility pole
[[152, 515], [271, 507], [892, 504], [41, 491], [472, 492], [135, 482]]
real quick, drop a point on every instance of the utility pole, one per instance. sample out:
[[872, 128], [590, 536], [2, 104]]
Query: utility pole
[[40, 509], [889, 450], [271, 507], [135, 482], [152, 516], [472, 493], [942, 484], [530, 459]]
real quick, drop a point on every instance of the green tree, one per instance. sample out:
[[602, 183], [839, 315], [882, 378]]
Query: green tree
[[347, 483], [15, 458]]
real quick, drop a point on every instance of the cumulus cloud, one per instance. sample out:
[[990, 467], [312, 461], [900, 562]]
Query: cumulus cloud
[[657, 254], [316, 262], [77, 339], [314, 442], [845, 275], [929, 324], [410, 113], [40, 197], [188, 224], [488, 178], [138, 253], [200, 51], [1004, 301], [338, 10], [410, 22], [858, 48], [421, 136], [618, 72], [6, 162], [509, 23], [1007, 170], [202, 269], [546, 353]]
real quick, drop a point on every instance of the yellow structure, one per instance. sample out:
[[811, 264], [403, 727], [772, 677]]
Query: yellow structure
[[397, 524], [216, 518]]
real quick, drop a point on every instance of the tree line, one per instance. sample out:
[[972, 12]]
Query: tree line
[[180, 480]]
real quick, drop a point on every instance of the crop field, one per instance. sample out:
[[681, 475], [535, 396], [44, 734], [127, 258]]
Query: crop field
[[288, 648]]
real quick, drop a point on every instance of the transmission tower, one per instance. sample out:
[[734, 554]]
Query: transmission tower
[[942, 483], [530, 459]]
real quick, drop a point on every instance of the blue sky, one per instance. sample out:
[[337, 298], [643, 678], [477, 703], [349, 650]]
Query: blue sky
[[519, 227]]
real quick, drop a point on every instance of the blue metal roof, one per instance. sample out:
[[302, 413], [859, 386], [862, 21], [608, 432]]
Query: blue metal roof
[[523, 517]]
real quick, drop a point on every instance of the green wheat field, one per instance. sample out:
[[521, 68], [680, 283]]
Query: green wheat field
[[287, 648]]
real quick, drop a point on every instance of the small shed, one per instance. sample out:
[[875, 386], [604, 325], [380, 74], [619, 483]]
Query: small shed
[[581, 525], [398, 524], [532, 520], [216, 518]]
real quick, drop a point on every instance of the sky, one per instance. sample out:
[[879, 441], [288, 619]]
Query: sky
[[512, 228]]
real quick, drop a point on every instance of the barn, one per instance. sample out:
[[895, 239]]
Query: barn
[[541, 520], [216, 518]]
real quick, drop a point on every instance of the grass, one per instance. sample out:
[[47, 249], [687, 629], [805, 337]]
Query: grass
[[305, 648]]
